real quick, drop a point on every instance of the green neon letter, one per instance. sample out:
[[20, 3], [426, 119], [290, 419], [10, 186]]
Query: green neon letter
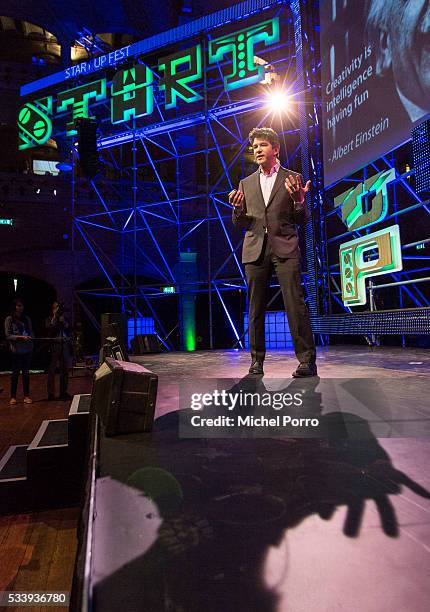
[[132, 93], [241, 46], [179, 70], [78, 99]]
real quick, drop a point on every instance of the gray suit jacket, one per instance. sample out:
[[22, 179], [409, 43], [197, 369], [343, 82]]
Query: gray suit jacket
[[278, 219]]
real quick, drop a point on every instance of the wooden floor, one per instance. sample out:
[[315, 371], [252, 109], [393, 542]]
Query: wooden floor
[[37, 550]]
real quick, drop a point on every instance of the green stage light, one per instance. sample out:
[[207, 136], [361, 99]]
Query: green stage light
[[190, 338]]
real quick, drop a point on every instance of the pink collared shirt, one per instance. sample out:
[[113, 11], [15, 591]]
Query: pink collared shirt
[[267, 181]]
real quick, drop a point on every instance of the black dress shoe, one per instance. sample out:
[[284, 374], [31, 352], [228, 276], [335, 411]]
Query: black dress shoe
[[305, 369], [256, 367]]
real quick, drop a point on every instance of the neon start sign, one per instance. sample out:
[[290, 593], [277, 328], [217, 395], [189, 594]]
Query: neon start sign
[[132, 88]]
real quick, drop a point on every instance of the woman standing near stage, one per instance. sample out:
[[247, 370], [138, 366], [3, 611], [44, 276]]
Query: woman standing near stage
[[19, 333]]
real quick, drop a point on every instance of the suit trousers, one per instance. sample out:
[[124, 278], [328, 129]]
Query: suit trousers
[[288, 271]]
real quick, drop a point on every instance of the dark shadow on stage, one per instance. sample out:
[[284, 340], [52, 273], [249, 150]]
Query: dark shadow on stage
[[189, 522]]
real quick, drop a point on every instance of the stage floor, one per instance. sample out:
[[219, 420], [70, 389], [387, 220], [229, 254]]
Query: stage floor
[[333, 362], [282, 524]]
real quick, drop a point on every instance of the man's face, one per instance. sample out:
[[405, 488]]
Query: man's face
[[265, 154], [409, 45]]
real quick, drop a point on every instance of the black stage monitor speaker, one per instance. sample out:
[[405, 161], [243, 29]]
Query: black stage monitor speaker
[[87, 146], [124, 396], [114, 336], [118, 318], [145, 343], [114, 349]]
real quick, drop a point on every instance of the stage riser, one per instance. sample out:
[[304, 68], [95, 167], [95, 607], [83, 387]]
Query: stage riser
[[49, 472], [14, 497], [78, 423], [13, 481], [48, 451], [13, 464]]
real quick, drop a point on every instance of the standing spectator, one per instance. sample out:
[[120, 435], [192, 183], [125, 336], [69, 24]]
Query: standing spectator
[[19, 333], [58, 328]]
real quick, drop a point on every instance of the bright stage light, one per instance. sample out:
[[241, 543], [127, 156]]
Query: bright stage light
[[278, 101]]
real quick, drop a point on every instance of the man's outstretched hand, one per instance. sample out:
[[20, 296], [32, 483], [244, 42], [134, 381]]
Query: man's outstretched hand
[[296, 189]]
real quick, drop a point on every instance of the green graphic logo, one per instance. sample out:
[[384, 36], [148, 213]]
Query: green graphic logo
[[35, 123], [353, 201], [373, 254], [365, 257]]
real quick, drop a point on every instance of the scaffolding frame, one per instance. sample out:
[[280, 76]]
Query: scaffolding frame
[[144, 221], [144, 227]]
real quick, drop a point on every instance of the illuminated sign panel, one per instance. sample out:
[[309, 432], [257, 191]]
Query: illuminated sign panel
[[370, 100], [372, 254], [240, 46], [352, 201], [179, 71], [355, 267], [78, 100], [132, 94], [98, 63], [35, 123], [132, 90]]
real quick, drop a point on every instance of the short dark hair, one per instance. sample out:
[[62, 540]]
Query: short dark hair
[[264, 133], [14, 304]]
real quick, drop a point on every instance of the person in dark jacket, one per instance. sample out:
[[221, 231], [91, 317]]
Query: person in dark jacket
[[58, 328], [19, 334], [268, 205]]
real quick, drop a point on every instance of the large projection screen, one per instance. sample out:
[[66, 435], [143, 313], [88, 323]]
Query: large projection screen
[[375, 78]]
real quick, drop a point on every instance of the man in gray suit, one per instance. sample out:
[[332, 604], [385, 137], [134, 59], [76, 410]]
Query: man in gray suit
[[268, 205]]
